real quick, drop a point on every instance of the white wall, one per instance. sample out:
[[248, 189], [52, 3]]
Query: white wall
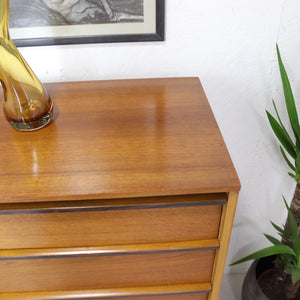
[[230, 45]]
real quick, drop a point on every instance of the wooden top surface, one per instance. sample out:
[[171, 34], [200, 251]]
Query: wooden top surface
[[113, 139]]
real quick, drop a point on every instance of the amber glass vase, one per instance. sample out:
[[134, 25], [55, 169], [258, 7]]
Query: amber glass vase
[[27, 105]]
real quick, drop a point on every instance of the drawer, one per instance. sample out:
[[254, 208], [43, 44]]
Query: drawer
[[107, 271], [111, 222], [170, 292], [193, 296]]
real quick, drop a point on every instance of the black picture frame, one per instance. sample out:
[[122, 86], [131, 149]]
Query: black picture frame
[[158, 35]]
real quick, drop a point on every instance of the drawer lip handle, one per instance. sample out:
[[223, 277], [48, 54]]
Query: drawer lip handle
[[163, 290], [133, 249], [107, 208], [94, 205]]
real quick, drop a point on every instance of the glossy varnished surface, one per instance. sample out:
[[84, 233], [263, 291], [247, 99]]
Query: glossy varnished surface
[[92, 272], [110, 227], [170, 292], [115, 139]]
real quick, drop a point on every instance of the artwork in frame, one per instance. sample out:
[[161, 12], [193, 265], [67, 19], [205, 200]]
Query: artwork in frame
[[57, 22]]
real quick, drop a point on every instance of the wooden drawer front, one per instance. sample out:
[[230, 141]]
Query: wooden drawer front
[[107, 271], [189, 296], [109, 225], [171, 292]]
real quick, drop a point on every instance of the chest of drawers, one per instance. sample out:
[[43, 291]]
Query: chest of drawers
[[129, 194]]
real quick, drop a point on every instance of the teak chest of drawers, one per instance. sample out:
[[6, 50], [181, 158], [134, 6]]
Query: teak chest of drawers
[[129, 194]]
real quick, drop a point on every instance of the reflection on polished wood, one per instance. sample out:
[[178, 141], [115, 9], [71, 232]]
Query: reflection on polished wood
[[130, 192], [118, 139]]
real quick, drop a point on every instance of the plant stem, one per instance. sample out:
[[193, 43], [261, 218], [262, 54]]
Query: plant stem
[[295, 204], [291, 290]]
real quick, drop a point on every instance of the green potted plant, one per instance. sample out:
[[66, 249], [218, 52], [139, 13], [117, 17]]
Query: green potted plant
[[290, 150], [289, 145], [285, 253]]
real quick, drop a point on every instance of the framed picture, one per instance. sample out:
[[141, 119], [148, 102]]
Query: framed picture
[[57, 22]]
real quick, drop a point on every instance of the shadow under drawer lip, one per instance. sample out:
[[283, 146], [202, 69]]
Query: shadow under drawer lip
[[133, 249]]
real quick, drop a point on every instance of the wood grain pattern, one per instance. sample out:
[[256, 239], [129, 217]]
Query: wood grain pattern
[[129, 192], [106, 272], [113, 139], [109, 250], [109, 227], [195, 291]]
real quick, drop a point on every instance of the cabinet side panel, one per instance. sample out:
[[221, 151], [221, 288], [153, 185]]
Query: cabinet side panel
[[224, 239]]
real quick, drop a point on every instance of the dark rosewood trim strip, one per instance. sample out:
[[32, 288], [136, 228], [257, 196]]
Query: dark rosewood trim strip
[[88, 206], [60, 255], [156, 248], [104, 208]]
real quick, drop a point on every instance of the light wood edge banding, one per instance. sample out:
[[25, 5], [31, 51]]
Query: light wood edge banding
[[224, 239], [151, 248], [111, 293]]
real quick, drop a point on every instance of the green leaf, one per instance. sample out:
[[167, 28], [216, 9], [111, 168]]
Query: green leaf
[[272, 239], [289, 98], [280, 122], [272, 250], [282, 232], [279, 229], [295, 272], [287, 160], [292, 175], [282, 137], [285, 259], [277, 114]]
